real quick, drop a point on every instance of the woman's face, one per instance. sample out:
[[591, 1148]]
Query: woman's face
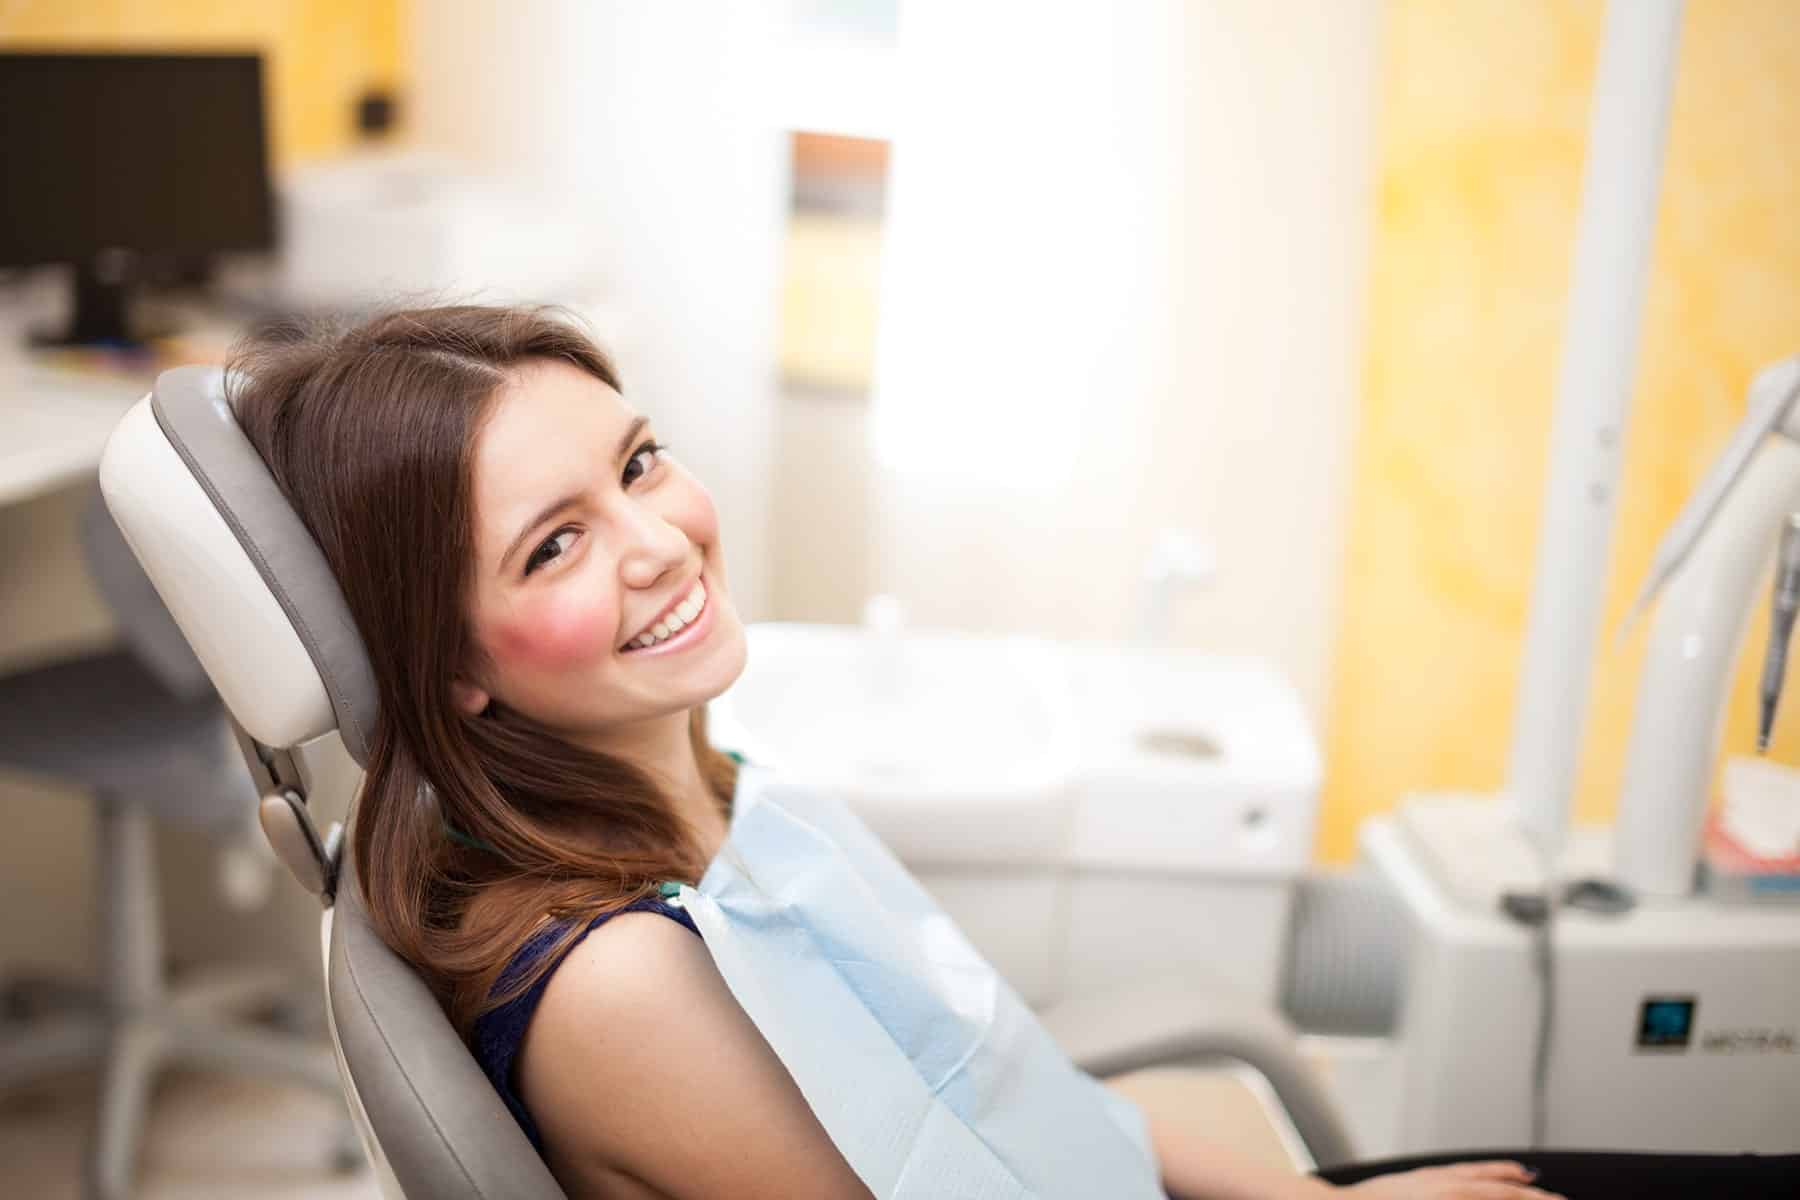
[[585, 538]]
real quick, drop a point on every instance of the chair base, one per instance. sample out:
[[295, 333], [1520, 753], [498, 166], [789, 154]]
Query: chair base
[[144, 1024], [195, 1026]]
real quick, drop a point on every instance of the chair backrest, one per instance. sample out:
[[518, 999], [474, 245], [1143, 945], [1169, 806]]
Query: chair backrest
[[252, 595]]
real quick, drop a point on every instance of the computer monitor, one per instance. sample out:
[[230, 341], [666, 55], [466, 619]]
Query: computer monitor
[[106, 158]]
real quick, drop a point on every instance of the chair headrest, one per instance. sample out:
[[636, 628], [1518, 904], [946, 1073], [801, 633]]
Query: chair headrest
[[236, 567], [149, 631]]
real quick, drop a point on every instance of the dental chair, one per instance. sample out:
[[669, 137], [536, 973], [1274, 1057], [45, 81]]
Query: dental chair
[[253, 595]]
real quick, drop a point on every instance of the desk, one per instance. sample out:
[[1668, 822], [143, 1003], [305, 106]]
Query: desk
[[55, 424], [53, 427], [55, 418]]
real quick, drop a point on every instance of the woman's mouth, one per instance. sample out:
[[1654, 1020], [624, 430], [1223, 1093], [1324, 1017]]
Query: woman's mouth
[[685, 622]]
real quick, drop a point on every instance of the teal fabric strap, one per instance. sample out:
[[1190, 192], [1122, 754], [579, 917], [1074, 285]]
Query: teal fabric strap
[[462, 839], [670, 890]]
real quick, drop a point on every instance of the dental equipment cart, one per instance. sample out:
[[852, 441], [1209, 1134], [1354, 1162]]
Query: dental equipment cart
[[1673, 1027]]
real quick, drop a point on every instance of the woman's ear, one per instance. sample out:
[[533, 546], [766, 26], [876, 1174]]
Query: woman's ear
[[469, 698]]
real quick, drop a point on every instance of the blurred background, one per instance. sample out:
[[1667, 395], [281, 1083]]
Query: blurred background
[[980, 307]]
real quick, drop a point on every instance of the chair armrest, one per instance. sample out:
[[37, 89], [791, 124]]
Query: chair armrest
[[1186, 1017]]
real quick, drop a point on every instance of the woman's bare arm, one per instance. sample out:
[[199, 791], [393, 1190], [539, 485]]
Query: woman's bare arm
[[648, 1079], [1194, 1169]]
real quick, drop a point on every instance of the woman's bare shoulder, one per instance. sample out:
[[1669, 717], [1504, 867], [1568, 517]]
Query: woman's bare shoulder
[[639, 1062]]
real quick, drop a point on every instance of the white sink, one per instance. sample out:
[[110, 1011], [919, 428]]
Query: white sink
[[947, 744], [1082, 810]]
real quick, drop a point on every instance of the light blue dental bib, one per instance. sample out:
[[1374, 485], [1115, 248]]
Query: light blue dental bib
[[931, 1076]]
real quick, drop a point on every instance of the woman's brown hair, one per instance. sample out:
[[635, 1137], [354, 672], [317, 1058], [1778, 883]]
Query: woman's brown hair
[[370, 432]]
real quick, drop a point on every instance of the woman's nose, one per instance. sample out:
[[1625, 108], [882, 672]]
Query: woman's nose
[[652, 546]]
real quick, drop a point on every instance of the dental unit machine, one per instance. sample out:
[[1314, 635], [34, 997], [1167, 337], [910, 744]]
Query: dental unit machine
[[1590, 987]]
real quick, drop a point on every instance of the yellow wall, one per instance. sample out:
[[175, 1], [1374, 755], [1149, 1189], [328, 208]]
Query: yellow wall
[[1482, 131], [320, 55]]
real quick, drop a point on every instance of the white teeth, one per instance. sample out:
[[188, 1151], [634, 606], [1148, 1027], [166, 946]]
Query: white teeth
[[680, 616]]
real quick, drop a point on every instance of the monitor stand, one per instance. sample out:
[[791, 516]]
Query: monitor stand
[[102, 316]]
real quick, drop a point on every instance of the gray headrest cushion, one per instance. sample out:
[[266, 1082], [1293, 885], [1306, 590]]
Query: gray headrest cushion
[[190, 407]]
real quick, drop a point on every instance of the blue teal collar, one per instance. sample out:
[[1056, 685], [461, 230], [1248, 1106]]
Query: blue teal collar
[[462, 839]]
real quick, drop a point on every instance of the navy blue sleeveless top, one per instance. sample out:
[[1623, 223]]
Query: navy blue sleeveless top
[[499, 1032]]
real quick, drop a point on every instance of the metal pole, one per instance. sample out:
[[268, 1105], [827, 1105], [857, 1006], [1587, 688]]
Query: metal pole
[[1626, 136]]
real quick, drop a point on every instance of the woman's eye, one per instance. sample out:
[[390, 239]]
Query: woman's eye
[[655, 450], [552, 547]]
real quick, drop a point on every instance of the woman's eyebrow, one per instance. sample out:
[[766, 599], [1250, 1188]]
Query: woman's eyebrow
[[631, 431], [544, 514]]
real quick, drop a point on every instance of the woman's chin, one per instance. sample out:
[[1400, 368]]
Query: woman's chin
[[721, 661], [708, 671]]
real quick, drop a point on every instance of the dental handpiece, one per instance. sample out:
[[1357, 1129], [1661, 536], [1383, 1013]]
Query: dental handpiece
[[1783, 605]]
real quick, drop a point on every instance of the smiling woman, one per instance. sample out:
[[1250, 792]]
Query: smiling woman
[[541, 592], [626, 542], [508, 537], [504, 528]]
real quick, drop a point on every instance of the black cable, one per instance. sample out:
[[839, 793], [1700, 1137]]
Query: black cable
[[1537, 911], [1540, 1063]]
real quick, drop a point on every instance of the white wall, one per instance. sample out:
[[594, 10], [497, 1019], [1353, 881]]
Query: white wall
[[654, 123], [1123, 290]]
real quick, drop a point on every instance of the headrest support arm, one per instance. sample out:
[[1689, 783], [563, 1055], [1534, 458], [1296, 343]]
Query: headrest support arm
[[286, 820]]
